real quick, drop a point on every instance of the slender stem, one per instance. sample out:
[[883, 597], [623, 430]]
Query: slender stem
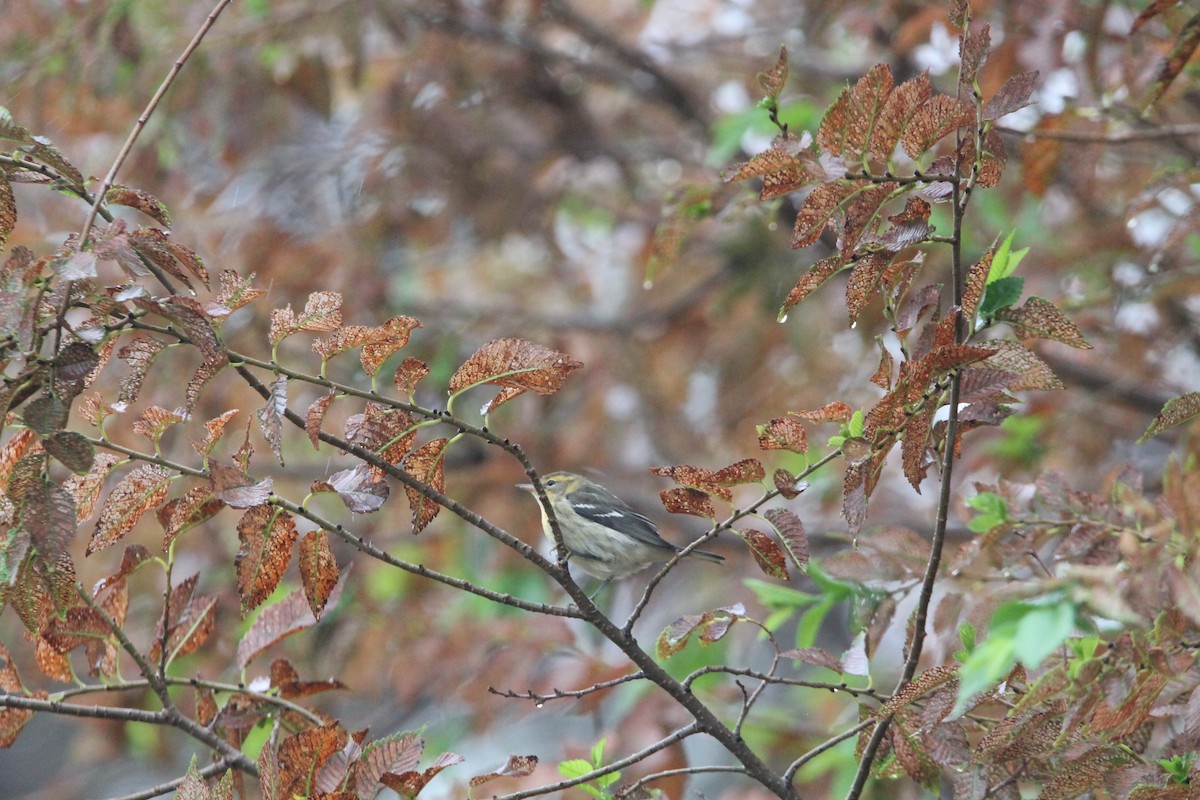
[[211, 770], [145, 117], [794, 767]]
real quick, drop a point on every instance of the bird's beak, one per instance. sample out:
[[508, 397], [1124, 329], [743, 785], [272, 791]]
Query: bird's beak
[[526, 486]]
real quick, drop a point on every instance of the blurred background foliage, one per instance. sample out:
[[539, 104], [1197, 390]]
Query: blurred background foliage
[[517, 168]]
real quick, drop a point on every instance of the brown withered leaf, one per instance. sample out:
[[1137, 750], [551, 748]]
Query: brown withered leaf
[[784, 167], [409, 784], [854, 495], [266, 535], [318, 570], [1039, 317], [237, 291], [302, 755], [791, 533], [1031, 371], [788, 485], [85, 489], [197, 505], [882, 377], [279, 620], [138, 353], [995, 157], [344, 339], [322, 312], [864, 278], [746, 470], [682, 500], [1013, 95], [142, 200], [1173, 63], [783, 433], [138, 492], [973, 50], [169, 255], [773, 79], [837, 411], [819, 209], [1175, 411], [387, 431], [817, 656], [976, 284], [909, 227], [397, 753], [427, 465], [516, 365], [862, 214], [285, 678], [192, 628], [898, 109], [716, 482], [200, 378], [817, 274], [409, 374], [213, 430], [391, 336], [514, 767], [932, 122], [8, 211], [154, 421], [766, 551], [913, 446], [53, 663], [847, 127], [362, 489], [270, 416], [315, 416]]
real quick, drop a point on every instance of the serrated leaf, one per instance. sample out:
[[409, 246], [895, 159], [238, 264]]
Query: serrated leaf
[[8, 211], [516, 365], [214, 429], [1176, 411], [138, 492], [266, 535], [899, 108], [72, 450], [315, 416], [279, 620], [1039, 317], [819, 209], [427, 465], [784, 168], [270, 416], [318, 570], [817, 274], [514, 767], [773, 79], [783, 433], [1013, 95], [683, 500], [791, 533], [934, 121], [766, 551], [848, 126], [143, 201], [1030, 371], [409, 374], [236, 291]]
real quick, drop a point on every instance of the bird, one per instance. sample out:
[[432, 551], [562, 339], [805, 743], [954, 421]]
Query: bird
[[603, 535]]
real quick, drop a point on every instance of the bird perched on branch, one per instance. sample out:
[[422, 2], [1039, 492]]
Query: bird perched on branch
[[602, 534]]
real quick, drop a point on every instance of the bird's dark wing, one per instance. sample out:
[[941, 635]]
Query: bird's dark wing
[[603, 507]]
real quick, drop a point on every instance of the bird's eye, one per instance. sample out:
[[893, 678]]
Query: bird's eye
[[550, 482]]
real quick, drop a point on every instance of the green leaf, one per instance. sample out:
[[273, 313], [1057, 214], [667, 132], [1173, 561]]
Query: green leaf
[[1002, 293], [992, 511], [1006, 260], [598, 753], [574, 768]]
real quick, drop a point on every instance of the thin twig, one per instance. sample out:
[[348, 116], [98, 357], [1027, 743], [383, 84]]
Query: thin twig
[[1124, 137], [560, 694], [215, 768], [795, 766], [145, 117]]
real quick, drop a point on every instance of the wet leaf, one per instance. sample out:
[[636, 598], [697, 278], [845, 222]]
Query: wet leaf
[[318, 570], [236, 291], [819, 209], [767, 553], [409, 374], [817, 274]]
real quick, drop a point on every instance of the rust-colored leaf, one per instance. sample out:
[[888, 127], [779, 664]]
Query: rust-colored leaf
[[11, 719], [788, 485], [818, 211], [138, 492], [427, 465], [285, 678], [514, 767], [196, 506], [266, 535], [322, 312], [200, 378], [169, 255], [1013, 95], [898, 109], [773, 79], [85, 489], [390, 337], [909, 227], [766, 551], [935, 120], [138, 353], [410, 784], [409, 374], [791, 533], [1039, 317], [973, 50], [849, 125], [237, 291], [302, 755], [53, 663], [817, 274], [862, 215], [315, 416], [1031, 371], [864, 278], [785, 167], [516, 365], [882, 377], [976, 284], [682, 500], [854, 495], [8, 211], [783, 433], [318, 570], [387, 431], [397, 753], [154, 421], [1176, 411], [142, 200], [1173, 63], [237, 489], [837, 411]]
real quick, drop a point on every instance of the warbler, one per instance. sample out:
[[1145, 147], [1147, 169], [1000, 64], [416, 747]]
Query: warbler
[[604, 536]]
